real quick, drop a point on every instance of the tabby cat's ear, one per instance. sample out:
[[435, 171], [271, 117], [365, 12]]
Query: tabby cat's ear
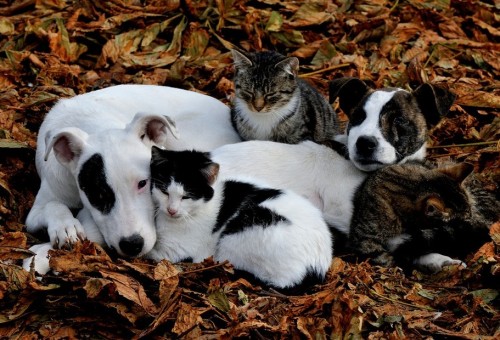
[[289, 65], [350, 92], [211, 171], [457, 172], [240, 59]]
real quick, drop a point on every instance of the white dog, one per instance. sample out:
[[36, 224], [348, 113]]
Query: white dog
[[94, 152]]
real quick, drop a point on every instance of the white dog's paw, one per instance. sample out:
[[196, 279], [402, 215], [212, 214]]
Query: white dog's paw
[[65, 231], [41, 258], [435, 262]]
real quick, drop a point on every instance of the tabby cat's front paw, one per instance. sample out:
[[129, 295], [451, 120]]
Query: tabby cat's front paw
[[435, 262]]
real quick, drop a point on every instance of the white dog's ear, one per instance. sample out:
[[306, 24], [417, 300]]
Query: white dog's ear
[[153, 127], [68, 144]]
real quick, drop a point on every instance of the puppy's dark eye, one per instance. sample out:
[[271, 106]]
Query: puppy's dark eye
[[142, 184], [400, 121], [185, 197]]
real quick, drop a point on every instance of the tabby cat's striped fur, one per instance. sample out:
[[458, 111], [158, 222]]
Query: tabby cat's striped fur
[[273, 103]]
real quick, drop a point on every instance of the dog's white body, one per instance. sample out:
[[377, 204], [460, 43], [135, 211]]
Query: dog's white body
[[312, 170], [105, 123]]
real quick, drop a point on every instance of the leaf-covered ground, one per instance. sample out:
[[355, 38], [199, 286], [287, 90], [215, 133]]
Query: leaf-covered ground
[[58, 48]]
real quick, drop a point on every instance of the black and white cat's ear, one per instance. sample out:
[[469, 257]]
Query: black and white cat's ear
[[350, 92], [457, 172], [156, 154], [211, 171], [289, 65], [240, 59], [434, 102]]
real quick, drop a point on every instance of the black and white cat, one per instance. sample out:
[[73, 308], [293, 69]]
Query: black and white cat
[[275, 235], [272, 103]]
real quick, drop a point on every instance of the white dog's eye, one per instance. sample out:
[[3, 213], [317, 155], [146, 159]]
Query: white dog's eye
[[142, 184]]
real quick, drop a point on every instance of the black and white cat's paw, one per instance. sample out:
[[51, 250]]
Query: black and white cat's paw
[[435, 262]]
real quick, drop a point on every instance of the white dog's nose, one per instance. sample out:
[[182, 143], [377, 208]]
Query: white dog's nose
[[132, 246]]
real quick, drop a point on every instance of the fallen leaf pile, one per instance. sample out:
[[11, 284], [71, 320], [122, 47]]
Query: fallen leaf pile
[[51, 49]]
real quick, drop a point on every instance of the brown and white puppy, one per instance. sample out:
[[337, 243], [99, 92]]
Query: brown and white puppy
[[389, 125]]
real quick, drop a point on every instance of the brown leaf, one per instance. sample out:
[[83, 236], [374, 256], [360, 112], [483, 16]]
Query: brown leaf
[[187, 318], [131, 290]]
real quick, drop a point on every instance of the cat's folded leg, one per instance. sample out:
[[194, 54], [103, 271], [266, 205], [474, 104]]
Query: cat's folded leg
[[435, 262]]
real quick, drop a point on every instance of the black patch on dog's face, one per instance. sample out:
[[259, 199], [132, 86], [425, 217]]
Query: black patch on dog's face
[[92, 181], [241, 208], [402, 124]]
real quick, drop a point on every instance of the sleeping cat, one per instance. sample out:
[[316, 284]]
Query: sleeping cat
[[413, 214], [272, 103], [275, 235]]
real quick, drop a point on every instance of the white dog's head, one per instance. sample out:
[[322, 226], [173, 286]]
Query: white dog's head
[[390, 125], [111, 169]]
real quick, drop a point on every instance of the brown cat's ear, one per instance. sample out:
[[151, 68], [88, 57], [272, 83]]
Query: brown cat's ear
[[457, 172], [211, 171], [434, 206], [289, 65], [240, 59]]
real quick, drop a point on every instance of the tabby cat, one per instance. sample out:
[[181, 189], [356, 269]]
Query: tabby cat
[[275, 235], [413, 214], [272, 103]]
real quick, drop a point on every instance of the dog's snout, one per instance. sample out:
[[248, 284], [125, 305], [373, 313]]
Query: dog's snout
[[132, 246], [365, 145]]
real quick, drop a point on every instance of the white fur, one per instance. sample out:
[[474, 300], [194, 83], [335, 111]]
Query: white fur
[[435, 262], [281, 254], [105, 125], [264, 121], [394, 242], [309, 169], [385, 152]]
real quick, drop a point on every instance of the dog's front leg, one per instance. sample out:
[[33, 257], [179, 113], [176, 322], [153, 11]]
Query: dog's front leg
[[91, 229]]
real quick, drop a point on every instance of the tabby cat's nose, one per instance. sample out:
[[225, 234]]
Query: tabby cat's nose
[[259, 103]]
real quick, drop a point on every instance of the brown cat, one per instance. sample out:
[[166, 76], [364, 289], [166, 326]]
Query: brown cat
[[413, 214]]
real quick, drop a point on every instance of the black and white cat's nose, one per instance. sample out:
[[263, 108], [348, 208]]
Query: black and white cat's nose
[[131, 246], [366, 145]]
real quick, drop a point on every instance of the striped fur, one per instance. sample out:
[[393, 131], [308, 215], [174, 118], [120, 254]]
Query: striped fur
[[403, 212], [273, 103]]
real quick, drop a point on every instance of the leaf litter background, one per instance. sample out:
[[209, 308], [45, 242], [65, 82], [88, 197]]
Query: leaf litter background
[[51, 49]]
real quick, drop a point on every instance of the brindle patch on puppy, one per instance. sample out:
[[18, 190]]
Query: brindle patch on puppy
[[389, 125]]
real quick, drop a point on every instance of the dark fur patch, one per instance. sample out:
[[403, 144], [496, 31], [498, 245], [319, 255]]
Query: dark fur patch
[[241, 208], [92, 181], [186, 167]]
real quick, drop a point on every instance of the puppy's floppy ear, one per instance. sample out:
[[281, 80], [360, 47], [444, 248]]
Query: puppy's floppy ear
[[240, 59], [434, 102], [149, 127], [457, 172], [68, 144], [350, 92]]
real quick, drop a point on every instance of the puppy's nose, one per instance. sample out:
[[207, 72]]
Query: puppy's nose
[[131, 246], [365, 145]]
